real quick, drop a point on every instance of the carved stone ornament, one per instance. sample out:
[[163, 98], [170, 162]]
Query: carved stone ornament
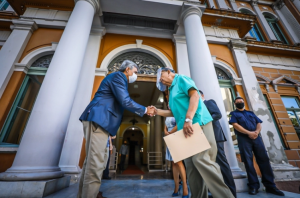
[[221, 75], [43, 62], [147, 63], [238, 44]]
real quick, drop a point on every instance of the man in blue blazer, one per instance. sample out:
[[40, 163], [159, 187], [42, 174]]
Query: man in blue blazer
[[101, 118], [220, 139]]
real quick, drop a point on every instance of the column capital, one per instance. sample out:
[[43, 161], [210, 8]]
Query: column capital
[[94, 3], [237, 44], [98, 31], [23, 24], [191, 11], [254, 2], [179, 38]]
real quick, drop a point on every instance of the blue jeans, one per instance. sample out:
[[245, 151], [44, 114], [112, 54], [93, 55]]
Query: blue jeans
[[248, 147]]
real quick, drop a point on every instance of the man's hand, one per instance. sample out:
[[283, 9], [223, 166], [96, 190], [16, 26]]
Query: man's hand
[[188, 129], [253, 135], [151, 111]]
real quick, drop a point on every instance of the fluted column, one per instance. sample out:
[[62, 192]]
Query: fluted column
[[73, 140], [13, 48], [203, 73], [288, 21], [264, 22], [39, 152]]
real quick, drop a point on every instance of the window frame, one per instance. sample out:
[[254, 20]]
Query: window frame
[[294, 110], [272, 23], [6, 126]]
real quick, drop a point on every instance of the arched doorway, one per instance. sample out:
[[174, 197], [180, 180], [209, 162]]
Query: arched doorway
[[134, 138]]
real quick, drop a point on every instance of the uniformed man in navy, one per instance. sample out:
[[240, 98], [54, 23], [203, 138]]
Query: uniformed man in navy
[[247, 127]]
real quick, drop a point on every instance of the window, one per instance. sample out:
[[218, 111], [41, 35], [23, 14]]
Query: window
[[3, 5], [272, 115], [292, 106], [16, 121], [272, 21], [255, 31]]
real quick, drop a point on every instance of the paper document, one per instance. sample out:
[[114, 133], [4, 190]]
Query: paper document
[[181, 147]]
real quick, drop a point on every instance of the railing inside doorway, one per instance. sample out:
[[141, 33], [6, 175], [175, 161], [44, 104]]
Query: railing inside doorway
[[154, 161]]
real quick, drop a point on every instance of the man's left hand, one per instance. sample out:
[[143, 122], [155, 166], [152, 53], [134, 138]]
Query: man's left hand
[[188, 129]]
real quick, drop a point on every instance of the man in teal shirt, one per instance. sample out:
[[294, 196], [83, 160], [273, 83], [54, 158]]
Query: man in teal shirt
[[186, 106]]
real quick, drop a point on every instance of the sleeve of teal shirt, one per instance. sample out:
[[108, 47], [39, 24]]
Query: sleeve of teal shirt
[[186, 83]]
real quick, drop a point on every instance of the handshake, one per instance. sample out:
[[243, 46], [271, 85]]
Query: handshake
[[151, 111]]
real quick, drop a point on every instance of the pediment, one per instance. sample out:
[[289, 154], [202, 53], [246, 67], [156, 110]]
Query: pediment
[[262, 79], [285, 80]]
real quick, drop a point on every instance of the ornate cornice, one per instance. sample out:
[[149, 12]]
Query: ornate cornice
[[94, 3], [191, 11], [22, 24], [278, 46], [238, 44]]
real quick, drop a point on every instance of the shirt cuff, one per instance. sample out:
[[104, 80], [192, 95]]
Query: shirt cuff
[[145, 110]]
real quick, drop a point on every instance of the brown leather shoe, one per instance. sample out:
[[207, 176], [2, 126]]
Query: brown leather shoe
[[100, 195]]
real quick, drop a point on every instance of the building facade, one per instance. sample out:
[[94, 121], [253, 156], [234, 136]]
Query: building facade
[[54, 55]]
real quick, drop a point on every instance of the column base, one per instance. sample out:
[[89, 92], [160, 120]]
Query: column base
[[238, 173], [36, 189], [285, 172], [30, 175], [241, 185], [73, 171]]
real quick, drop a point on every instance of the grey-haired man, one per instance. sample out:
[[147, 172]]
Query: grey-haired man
[[103, 117]]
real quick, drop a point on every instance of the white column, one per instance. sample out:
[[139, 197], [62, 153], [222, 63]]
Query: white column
[[13, 48], [222, 4], [39, 152], [181, 55], [257, 104], [212, 4], [288, 21], [234, 6], [264, 22], [70, 155], [204, 74], [297, 4]]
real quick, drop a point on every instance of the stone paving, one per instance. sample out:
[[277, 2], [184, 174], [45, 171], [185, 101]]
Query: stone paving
[[156, 188]]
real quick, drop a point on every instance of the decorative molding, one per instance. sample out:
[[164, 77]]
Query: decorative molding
[[220, 32], [237, 44], [179, 38], [139, 43], [277, 80], [277, 46], [23, 24], [4, 35], [21, 67], [263, 77], [98, 31], [273, 60], [100, 72], [132, 47], [46, 14], [278, 4]]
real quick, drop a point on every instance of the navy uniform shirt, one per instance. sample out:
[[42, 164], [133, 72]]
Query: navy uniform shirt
[[247, 119]]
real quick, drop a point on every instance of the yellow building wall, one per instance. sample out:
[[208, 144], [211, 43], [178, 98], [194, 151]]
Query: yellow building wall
[[112, 41]]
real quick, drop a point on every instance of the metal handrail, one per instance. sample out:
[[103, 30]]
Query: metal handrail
[[157, 161], [115, 165]]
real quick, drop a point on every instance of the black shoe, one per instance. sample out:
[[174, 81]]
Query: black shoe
[[274, 191], [253, 191], [107, 178]]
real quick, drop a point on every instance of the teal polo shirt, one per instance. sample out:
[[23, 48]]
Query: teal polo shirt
[[179, 101]]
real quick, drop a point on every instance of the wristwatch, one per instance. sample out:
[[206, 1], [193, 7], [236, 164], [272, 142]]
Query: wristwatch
[[188, 120]]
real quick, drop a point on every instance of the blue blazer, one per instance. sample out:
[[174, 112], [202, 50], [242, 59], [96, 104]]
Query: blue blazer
[[216, 115], [107, 107]]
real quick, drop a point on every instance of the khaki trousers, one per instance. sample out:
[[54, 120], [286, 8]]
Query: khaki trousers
[[203, 172], [95, 160]]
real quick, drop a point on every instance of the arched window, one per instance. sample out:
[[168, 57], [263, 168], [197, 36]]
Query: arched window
[[15, 123], [147, 63], [255, 31], [272, 21]]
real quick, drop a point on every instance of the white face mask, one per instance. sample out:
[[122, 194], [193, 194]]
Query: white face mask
[[132, 78]]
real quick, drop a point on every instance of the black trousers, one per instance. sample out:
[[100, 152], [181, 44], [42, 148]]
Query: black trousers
[[106, 171], [122, 164], [248, 147], [225, 168]]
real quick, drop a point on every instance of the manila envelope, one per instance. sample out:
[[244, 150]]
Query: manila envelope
[[181, 147]]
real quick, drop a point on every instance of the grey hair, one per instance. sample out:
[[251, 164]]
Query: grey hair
[[127, 63]]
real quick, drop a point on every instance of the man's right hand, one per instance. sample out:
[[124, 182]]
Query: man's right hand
[[252, 135]]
